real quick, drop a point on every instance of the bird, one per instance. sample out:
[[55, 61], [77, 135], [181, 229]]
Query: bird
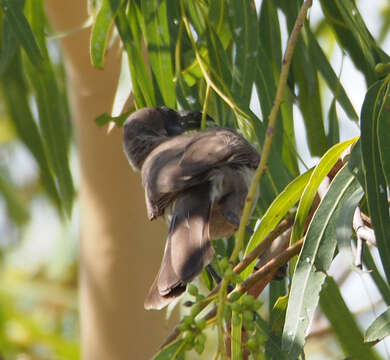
[[197, 180]]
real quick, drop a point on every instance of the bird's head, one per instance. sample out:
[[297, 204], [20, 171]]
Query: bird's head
[[148, 127]]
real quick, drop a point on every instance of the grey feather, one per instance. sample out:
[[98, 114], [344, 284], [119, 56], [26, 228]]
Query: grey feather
[[194, 180]]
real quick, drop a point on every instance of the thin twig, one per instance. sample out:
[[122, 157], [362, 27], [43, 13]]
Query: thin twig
[[263, 245], [271, 125]]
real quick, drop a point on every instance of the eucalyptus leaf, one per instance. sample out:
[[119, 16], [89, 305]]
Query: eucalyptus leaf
[[314, 260], [379, 329]]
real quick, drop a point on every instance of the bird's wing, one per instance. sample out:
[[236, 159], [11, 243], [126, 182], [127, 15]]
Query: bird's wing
[[173, 168], [188, 249]]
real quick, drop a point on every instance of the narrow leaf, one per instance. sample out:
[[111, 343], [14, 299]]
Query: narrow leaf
[[372, 110], [321, 170], [379, 329], [53, 124], [9, 42], [343, 323], [380, 282], [326, 70], [159, 48], [22, 30], [344, 224], [334, 131], [314, 260], [101, 31], [129, 32], [383, 136], [16, 98], [105, 118], [171, 351], [244, 28], [278, 209]]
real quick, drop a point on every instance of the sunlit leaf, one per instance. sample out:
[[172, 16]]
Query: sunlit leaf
[[321, 170], [101, 30], [278, 209], [314, 260]]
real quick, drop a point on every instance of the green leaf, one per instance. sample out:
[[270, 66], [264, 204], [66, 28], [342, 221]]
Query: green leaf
[[334, 131], [15, 209], [372, 110], [321, 170], [343, 323], [236, 334], [53, 124], [314, 260], [277, 316], [105, 118], [159, 48], [171, 351], [273, 349], [330, 76], [244, 27], [14, 14], [354, 37], [309, 99], [379, 329], [284, 138], [9, 42], [269, 33], [130, 32], [101, 31], [380, 282], [278, 209], [16, 97], [344, 224], [220, 67], [383, 135]]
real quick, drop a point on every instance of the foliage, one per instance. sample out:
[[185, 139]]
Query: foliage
[[220, 57]]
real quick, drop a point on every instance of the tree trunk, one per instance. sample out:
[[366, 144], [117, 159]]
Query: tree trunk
[[120, 250]]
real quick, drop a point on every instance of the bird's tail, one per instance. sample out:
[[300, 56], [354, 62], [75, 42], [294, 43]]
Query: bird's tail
[[188, 249]]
